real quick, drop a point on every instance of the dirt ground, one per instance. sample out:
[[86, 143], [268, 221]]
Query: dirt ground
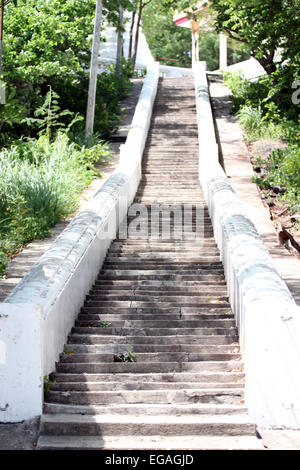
[[20, 436]]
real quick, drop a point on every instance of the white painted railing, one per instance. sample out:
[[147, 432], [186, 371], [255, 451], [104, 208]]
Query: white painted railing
[[266, 314], [37, 316]]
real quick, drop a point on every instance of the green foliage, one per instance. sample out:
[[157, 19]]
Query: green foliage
[[282, 168], [166, 40], [50, 114], [40, 183], [47, 45], [129, 356], [264, 27], [47, 385]]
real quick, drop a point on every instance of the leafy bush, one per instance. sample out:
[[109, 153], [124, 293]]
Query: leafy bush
[[282, 168]]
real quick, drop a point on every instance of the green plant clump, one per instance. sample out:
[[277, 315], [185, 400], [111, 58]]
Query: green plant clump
[[282, 170], [40, 183]]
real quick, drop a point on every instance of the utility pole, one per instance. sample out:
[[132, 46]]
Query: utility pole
[[90, 111]]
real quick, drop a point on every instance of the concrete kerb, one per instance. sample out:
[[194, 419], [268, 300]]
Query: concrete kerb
[[37, 316], [266, 314]]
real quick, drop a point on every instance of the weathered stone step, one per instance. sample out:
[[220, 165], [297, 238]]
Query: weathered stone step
[[141, 442], [153, 378], [161, 274], [186, 199], [187, 397], [210, 258], [162, 296], [211, 263], [146, 409], [125, 294], [163, 246], [152, 348], [85, 315], [86, 425], [153, 302], [158, 309], [90, 338], [124, 367], [152, 289], [167, 285], [158, 323], [76, 358], [159, 331], [155, 305]]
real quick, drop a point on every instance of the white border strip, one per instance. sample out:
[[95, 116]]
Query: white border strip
[[266, 314], [36, 318]]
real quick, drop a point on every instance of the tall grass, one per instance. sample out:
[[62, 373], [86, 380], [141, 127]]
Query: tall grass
[[40, 183]]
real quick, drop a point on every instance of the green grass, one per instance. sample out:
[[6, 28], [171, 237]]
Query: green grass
[[282, 169], [261, 117], [40, 183]]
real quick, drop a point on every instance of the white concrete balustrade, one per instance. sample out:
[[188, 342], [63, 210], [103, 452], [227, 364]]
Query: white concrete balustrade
[[266, 313]]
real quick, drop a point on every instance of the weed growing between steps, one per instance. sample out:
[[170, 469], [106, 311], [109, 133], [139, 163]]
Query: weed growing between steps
[[129, 356]]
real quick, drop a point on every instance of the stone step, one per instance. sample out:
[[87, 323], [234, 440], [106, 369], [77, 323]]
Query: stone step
[[182, 378], [153, 290], [169, 302], [163, 367], [201, 290], [91, 338], [148, 357], [86, 315], [157, 310], [163, 265], [125, 397], [149, 348], [118, 425], [158, 297], [201, 323], [204, 261], [159, 331], [187, 442], [162, 274], [146, 409]]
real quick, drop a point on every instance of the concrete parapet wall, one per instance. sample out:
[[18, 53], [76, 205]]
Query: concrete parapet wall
[[36, 318], [266, 314]]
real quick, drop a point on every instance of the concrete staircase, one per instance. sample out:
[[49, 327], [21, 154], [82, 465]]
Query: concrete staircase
[[164, 300]]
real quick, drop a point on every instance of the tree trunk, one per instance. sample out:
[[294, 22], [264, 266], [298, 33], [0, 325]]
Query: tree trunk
[[131, 34], [137, 34], [267, 63], [90, 111], [1, 35], [119, 44]]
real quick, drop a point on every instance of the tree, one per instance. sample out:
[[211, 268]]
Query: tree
[[119, 42], [165, 39], [266, 27], [131, 30], [141, 5], [3, 4]]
